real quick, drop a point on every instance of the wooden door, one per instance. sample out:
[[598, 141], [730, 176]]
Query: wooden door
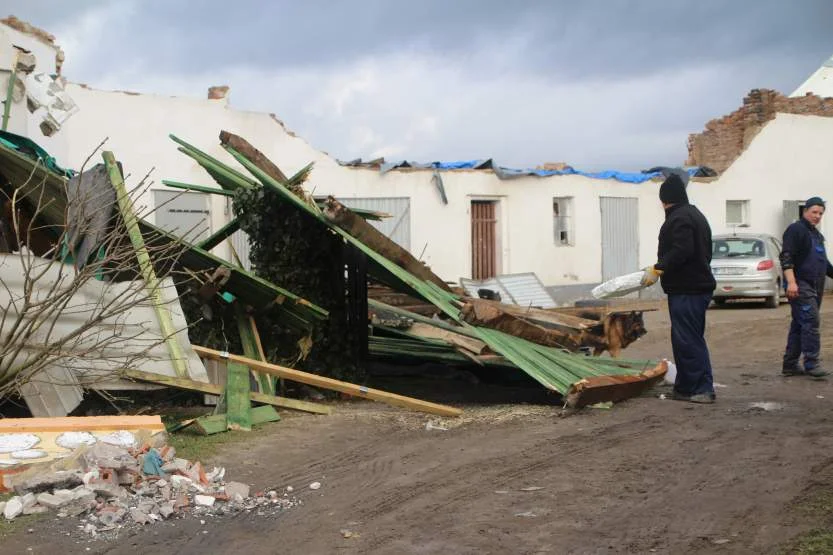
[[483, 239]]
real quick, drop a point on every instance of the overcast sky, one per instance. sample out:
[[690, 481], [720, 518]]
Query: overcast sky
[[598, 84]]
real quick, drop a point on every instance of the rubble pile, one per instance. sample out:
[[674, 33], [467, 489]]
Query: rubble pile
[[114, 487]]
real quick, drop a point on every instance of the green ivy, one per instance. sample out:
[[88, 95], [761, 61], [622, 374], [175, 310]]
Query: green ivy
[[291, 249]]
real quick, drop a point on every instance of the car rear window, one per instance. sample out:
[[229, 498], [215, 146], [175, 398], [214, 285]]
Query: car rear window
[[737, 247]]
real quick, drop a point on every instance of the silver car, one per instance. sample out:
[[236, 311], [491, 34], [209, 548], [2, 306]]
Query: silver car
[[747, 266]]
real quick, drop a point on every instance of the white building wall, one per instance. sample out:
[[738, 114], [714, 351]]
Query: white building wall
[[137, 127], [789, 159], [20, 122]]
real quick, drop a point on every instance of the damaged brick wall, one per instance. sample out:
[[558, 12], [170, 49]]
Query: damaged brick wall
[[43, 36], [724, 139]]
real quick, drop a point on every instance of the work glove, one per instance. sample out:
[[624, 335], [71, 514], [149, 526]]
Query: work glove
[[650, 276]]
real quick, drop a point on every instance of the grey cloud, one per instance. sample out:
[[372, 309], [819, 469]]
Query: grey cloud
[[622, 59]]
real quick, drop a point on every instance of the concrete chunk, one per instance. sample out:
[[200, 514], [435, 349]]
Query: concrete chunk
[[237, 488], [53, 501], [48, 482], [139, 517], [204, 500], [35, 510], [179, 482], [104, 455], [28, 500], [13, 508], [176, 465], [166, 509]]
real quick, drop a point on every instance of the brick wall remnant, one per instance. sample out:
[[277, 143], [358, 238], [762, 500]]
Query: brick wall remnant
[[218, 93], [724, 139], [43, 36]]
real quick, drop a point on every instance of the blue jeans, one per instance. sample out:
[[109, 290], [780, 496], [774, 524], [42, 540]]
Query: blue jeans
[[803, 336], [688, 342]]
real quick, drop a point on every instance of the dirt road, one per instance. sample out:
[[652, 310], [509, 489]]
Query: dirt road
[[649, 475]]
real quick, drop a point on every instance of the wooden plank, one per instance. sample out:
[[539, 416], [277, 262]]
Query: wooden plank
[[335, 385], [251, 348], [358, 227], [216, 389], [426, 330], [540, 315], [238, 407], [131, 222], [216, 423], [152, 423]]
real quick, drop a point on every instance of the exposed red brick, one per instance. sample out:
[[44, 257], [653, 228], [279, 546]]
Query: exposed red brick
[[725, 138], [218, 93]]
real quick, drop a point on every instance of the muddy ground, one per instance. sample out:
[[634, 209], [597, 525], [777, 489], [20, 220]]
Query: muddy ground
[[516, 476]]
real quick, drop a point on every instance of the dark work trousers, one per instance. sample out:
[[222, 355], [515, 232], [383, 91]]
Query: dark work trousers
[[691, 354], [803, 337]]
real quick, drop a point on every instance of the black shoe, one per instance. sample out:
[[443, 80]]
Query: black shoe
[[788, 371], [700, 398], [817, 372]]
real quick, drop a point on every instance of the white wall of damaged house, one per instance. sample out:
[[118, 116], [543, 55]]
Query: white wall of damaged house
[[789, 159], [137, 127], [12, 42]]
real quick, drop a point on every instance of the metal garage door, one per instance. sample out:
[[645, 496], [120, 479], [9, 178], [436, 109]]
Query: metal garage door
[[398, 226], [186, 214], [620, 236]]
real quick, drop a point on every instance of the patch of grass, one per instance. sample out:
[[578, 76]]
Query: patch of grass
[[16, 526], [195, 447], [814, 508], [815, 542]]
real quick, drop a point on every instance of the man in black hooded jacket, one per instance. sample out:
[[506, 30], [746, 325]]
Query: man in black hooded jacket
[[684, 267]]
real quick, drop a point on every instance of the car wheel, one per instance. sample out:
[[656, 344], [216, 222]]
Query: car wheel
[[773, 301]]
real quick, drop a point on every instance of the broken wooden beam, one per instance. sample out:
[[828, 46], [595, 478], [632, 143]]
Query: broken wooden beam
[[358, 227], [332, 384], [131, 222], [596, 389], [216, 389], [491, 316], [469, 344]]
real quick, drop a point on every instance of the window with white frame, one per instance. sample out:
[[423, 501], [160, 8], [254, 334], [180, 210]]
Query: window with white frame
[[737, 212], [562, 217]]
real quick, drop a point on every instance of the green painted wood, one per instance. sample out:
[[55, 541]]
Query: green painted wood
[[160, 307], [198, 188], [238, 406], [220, 235], [218, 423], [251, 348]]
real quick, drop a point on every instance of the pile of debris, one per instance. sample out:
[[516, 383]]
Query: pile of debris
[[112, 487]]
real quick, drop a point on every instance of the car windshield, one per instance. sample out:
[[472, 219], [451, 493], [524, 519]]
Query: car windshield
[[737, 247]]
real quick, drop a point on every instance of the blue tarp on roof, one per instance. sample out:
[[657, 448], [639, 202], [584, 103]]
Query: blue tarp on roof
[[511, 173]]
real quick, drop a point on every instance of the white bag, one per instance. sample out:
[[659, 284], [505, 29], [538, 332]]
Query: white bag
[[619, 286]]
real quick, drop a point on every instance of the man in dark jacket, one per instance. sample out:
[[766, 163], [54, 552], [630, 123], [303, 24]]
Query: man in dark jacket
[[805, 264], [684, 265]]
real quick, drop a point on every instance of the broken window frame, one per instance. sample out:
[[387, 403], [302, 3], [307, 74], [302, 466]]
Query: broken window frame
[[562, 219]]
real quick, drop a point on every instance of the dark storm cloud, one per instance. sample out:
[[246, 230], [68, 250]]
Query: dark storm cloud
[[598, 82]]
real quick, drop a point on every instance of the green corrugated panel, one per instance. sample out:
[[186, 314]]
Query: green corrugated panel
[[553, 368], [33, 179]]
